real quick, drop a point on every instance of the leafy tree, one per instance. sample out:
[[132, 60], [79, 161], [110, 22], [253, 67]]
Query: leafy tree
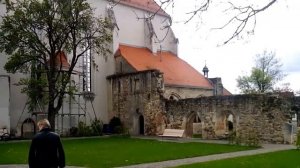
[[264, 75], [34, 33]]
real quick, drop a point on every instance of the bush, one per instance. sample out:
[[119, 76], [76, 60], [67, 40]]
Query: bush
[[248, 138], [96, 127], [73, 131], [116, 125], [83, 129]]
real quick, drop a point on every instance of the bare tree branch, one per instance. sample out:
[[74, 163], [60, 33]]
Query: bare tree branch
[[243, 16], [240, 20], [202, 8]]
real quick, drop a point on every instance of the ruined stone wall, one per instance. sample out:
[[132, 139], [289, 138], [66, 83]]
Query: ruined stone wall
[[136, 96], [137, 100], [263, 115]]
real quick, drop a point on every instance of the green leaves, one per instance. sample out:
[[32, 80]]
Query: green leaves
[[263, 76], [33, 32]]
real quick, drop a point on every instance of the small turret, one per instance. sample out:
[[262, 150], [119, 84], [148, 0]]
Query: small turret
[[205, 71]]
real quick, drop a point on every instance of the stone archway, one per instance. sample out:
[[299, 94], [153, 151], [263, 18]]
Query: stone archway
[[229, 123], [225, 123], [193, 126], [28, 128]]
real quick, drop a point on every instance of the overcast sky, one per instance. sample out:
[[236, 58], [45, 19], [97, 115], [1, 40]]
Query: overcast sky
[[277, 29]]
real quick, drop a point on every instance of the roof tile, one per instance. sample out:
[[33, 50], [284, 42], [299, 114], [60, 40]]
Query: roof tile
[[176, 71]]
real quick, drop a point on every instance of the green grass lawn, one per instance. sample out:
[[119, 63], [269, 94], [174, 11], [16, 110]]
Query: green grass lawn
[[282, 159], [116, 151]]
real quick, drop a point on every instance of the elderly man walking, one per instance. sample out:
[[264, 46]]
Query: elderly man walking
[[46, 149]]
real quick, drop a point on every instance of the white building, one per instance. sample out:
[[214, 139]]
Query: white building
[[131, 28]]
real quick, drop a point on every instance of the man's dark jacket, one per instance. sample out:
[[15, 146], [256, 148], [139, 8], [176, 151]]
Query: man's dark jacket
[[46, 150]]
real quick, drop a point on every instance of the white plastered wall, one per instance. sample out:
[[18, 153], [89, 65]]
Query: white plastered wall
[[12, 100], [131, 32]]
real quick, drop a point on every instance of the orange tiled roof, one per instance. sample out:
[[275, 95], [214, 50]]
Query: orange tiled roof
[[176, 71], [61, 60], [148, 5]]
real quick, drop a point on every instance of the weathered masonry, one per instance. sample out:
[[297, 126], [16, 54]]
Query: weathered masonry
[[268, 116], [137, 99]]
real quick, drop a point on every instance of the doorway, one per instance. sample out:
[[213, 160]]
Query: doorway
[[141, 125]]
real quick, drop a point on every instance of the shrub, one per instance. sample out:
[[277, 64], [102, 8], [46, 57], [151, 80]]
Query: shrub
[[96, 127], [83, 129], [116, 125], [73, 131], [248, 138]]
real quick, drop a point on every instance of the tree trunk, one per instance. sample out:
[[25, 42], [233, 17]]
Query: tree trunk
[[51, 115]]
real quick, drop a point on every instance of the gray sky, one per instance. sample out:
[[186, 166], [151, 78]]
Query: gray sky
[[277, 29]]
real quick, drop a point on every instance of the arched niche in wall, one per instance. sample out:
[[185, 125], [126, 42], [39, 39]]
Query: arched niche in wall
[[28, 128], [174, 96], [193, 125], [225, 123]]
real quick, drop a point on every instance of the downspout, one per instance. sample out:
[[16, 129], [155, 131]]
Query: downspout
[[8, 79]]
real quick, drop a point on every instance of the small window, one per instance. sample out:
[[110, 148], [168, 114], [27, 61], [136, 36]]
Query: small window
[[121, 67], [119, 87], [136, 85], [131, 87]]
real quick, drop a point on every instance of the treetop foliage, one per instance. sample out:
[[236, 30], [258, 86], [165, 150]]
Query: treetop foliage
[[266, 73]]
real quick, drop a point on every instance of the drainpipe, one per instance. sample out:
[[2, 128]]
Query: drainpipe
[[8, 78]]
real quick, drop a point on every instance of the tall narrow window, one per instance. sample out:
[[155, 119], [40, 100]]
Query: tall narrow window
[[87, 70], [119, 87]]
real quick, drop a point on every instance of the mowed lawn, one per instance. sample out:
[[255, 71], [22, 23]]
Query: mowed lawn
[[282, 159], [116, 151]]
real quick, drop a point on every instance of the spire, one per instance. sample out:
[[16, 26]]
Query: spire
[[205, 70]]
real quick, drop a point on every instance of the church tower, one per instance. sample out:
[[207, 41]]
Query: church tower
[[205, 71]]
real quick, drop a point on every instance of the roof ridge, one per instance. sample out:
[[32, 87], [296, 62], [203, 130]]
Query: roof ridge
[[145, 5]]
